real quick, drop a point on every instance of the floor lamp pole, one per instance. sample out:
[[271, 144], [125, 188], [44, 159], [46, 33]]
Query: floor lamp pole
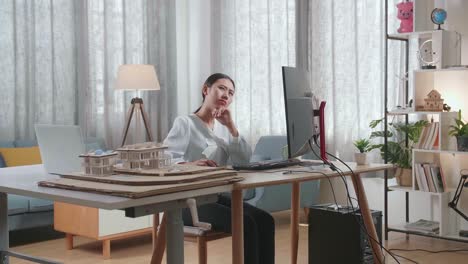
[[137, 104]]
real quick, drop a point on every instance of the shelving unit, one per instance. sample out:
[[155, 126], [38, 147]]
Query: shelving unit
[[452, 84]]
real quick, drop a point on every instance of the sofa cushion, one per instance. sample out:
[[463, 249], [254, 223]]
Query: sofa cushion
[[25, 143], [7, 144], [249, 194], [39, 205], [21, 156], [17, 204]]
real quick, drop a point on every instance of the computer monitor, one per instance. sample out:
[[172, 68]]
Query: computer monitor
[[300, 113]]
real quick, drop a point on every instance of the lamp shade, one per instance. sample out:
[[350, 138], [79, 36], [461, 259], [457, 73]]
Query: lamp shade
[[137, 77]]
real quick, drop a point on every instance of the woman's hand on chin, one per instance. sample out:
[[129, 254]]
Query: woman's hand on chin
[[202, 162], [223, 115]]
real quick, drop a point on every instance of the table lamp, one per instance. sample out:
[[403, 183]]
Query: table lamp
[[136, 77], [453, 204]]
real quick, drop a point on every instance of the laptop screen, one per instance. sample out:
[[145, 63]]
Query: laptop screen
[[60, 147]]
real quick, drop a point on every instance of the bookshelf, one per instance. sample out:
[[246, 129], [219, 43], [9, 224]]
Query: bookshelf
[[439, 150]]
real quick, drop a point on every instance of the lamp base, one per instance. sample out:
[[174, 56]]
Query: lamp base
[[463, 233], [137, 108]]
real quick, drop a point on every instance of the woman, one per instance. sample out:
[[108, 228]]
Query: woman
[[209, 137]]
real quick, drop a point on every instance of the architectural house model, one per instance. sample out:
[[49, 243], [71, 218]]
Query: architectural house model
[[433, 102], [148, 155], [98, 163]]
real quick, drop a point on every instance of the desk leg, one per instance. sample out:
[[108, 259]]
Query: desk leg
[[367, 217], [175, 236], [4, 236], [159, 245], [295, 193], [237, 218], [154, 234]]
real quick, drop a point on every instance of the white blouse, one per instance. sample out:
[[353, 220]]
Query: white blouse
[[190, 139]]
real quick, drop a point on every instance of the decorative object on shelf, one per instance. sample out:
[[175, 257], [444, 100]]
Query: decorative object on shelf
[[422, 225], [137, 77], [148, 155], [427, 56], [402, 87], [460, 131], [438, 17], [98, 162], [364, 146], [398, 152], [405, 14], [447, 108], [403, 177], [434, 102], [456, 197]]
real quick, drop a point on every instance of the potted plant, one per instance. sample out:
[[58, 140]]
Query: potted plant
[[401, 138], [460, 131], [364, 146]]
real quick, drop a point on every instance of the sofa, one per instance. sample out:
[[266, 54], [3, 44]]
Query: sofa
[[26, 212], [278, 197]]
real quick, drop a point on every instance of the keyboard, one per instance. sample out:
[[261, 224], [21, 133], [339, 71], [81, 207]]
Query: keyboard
[[267, 165]]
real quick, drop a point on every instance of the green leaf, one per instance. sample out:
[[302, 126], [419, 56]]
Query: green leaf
[[381, 134], [375, 123]]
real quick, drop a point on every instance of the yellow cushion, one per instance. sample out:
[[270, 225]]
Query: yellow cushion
[[21, 156]]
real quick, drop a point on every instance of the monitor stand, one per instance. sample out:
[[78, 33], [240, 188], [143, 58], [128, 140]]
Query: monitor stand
[[314, 165], [321, 114]]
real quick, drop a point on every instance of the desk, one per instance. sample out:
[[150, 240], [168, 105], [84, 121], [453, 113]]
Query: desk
[[259, 179], [23, 181]]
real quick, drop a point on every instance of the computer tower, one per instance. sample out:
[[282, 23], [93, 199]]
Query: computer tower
[[335, 236]]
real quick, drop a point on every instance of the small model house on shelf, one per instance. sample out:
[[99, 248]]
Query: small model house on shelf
[[148, 155], [99, 163], [433, 102]]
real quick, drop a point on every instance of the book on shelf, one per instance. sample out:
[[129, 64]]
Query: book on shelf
[[429, 177], [423, 225], [429, 138], [427, 174], [437, 178]]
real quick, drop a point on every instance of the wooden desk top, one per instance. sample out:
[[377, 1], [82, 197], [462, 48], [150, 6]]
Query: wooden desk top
[[277, 176], [23, 180]]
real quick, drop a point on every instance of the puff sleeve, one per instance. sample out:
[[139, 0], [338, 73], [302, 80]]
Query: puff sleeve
[[239, 150], [178, 139]]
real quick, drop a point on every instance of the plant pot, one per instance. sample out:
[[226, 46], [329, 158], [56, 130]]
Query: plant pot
[[462, 143], [361, 158], [403, 177]]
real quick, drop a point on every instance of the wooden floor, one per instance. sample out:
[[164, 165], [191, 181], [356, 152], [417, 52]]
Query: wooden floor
[[138, 250]]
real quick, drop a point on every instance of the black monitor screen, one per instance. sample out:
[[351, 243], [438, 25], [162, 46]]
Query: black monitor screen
[[299, 110]]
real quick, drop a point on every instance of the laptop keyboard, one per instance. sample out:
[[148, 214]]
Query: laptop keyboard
[[267, 165]]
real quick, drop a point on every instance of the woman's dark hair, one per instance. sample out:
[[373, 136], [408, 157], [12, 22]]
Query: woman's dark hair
[[211, 80]]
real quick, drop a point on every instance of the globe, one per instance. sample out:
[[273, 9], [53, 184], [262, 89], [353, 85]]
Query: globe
[[438, 16]]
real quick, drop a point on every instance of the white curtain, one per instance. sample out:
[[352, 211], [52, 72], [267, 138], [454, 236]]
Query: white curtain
[[251, 40], [60, 58], [345, 51]]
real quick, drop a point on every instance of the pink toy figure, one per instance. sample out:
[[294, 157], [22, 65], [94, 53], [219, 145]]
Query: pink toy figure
[[405, 14]]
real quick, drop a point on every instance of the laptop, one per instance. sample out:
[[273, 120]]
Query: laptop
[[60, 147]]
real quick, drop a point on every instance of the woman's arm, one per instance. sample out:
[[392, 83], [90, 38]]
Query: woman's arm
[[178, 139], [240, 151]]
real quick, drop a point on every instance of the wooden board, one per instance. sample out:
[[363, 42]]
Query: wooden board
[[137, 180], [176, 169], [135, 191]]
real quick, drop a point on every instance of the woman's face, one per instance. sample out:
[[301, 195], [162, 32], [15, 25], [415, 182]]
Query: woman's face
[[220, 94]]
